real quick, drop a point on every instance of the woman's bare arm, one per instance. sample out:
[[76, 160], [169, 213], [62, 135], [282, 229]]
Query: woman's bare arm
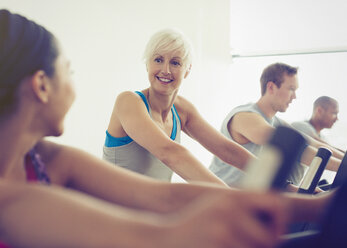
[[68, 166], [133, 116]]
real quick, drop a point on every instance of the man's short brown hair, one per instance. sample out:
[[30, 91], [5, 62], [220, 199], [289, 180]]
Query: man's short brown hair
[[274, 73]]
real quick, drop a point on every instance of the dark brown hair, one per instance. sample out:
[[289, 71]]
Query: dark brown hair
[[275, 73], [25, 47]]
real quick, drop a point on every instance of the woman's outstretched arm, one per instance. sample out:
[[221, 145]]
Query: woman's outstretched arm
[[38, 216]]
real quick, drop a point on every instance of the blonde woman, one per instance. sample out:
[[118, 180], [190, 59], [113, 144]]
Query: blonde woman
[[144, 130]]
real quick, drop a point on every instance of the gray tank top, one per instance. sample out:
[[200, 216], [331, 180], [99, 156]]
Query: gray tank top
[[232, 175], [134, 157]]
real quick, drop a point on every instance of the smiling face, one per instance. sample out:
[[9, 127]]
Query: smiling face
[[166, 70], [168, 58], [61, 97]]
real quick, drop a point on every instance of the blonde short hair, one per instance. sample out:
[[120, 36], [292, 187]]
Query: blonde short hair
[[169, 40]]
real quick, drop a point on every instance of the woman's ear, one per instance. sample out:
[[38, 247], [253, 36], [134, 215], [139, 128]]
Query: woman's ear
[[146, 65], [188, 71], [40, 86]]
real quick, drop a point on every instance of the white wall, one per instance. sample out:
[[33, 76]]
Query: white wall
[[273, 25], [105, 39]]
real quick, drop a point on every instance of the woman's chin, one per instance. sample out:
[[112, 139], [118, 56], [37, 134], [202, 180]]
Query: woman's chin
[[56, 132]]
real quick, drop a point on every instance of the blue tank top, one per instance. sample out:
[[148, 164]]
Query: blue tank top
[[125, 152]]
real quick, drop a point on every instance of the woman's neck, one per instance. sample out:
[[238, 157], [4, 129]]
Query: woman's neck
[[17, 138], [160, 104]]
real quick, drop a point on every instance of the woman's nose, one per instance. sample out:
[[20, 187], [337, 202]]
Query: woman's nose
[[166, 68]]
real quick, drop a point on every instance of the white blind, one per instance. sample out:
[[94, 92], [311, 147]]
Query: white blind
[[287, 26]]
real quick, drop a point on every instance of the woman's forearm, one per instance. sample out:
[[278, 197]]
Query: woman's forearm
[[174, 196], [40, 217], [123, 187], [235, 155], [181, 161], [308, 208], [50, 217]]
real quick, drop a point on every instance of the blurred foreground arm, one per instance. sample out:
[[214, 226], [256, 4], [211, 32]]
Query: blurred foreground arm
[[36, 216]]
